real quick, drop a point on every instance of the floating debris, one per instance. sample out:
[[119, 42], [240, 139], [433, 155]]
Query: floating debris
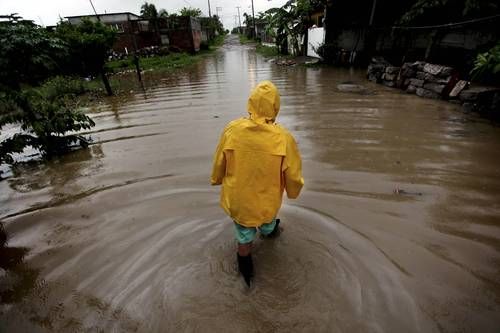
[[400, 191]]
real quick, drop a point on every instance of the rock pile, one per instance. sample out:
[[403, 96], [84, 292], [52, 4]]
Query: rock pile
[[421, 78], [435, 81]]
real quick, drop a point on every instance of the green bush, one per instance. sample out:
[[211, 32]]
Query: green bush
[[487, 66], [61, 86], [204, 46], [267, 51], [46, 115], [328, 52]]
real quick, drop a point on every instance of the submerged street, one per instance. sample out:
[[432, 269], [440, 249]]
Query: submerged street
[[396, 230]]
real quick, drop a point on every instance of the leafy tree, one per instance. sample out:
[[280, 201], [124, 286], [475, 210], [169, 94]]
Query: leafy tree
[[28, 54], [190, 11], [46, 115], [219, 27], [446, 11], [163, 13], [89, 43], [292, 19], [148, 11]]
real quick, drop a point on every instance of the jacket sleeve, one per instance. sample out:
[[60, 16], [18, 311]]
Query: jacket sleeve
[[292, 172], [219, 163]]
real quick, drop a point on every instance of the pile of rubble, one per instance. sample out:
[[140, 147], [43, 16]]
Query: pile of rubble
[[435, 81]]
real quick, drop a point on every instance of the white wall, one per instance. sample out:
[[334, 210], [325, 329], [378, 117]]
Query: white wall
[[315, 37]]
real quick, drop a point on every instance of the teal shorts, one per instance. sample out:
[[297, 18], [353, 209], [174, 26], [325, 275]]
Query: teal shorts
[[245, 235]]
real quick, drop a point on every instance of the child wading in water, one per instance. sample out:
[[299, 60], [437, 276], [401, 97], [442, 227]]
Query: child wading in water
[[256, 160]]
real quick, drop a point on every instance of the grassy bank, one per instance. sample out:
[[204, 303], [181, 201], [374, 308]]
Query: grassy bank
[[166, 62], [267, 51], [245, 40], [121, 73]]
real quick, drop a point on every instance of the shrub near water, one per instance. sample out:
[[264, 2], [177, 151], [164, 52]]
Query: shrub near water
[[267, 51], [46, 115], [487, 66]]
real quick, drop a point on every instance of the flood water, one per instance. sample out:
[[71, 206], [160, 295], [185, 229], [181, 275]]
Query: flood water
[[397, 228]]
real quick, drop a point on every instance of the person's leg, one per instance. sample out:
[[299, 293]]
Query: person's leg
[[244, 249], [245, 236], [270, 229]]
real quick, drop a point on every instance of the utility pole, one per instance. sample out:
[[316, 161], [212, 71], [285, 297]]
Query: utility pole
[[98, 18], [239, 19], [209, 11], [105, 80], [253, 19], [373, 12]]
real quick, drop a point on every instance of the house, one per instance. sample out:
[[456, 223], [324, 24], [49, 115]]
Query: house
[[135, 32], [184, 32]]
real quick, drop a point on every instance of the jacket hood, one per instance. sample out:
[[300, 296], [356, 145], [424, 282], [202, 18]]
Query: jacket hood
[[264, 103]]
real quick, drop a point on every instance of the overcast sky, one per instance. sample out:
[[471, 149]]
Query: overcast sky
[[47, 12]]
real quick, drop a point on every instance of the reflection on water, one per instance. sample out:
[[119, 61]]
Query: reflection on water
[[396, 230]]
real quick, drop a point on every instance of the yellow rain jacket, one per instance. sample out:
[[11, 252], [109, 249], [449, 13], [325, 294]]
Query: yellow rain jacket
[[257, 159]]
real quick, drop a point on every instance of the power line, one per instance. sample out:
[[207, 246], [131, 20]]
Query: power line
[[448, 25]]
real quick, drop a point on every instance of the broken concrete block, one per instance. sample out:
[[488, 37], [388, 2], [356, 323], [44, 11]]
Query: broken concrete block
[[392, 70], [407, 72], [411, 89], [436, 79], [389, 83], [433, 69], [380, 60], [484, 93], [389, 77], [376, 68], [437, 88], [427, 93], [417, 82], [418, 66], [420, 75], [446, 71], [458, 88]]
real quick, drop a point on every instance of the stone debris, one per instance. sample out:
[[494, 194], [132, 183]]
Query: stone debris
[[437, 88], [411, 89], [417, 82], [425, 79], [458, 88], [432, 69], [286, 62], [392, 70], [352, 88], [427, 93], [437, 82]]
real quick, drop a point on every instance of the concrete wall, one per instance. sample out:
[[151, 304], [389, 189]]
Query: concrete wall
[[454, 45], [351, 39], [315, 37]]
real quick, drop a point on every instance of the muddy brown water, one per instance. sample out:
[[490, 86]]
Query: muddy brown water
[[397, 228]]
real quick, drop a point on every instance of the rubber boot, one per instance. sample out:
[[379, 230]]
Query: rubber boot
[[245, 266], [276, 231]]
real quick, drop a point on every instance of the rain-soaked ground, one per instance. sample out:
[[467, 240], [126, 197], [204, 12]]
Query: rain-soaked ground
[[397, 228]]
